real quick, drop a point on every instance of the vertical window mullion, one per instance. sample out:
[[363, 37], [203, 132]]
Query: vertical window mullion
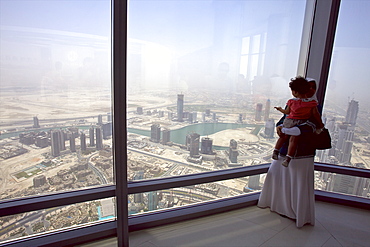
[[321, 45], [119, 25]]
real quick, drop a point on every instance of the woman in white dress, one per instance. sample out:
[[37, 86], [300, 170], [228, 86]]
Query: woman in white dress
[[289, 191]]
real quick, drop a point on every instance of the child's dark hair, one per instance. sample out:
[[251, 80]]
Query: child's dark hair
[[299, 84]]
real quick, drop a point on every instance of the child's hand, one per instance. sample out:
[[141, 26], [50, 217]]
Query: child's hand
[[278, 108]]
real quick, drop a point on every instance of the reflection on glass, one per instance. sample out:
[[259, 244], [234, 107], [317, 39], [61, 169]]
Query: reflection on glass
[[55, 111], [176, 197], [347, 104], [203, 77]]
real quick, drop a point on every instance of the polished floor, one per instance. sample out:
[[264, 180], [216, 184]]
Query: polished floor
[[335, 225]]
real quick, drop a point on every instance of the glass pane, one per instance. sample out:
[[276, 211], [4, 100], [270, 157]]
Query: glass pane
[[202, 79], [342, 184], [347, 104], [23, 225], [55, 110], [176, 197]]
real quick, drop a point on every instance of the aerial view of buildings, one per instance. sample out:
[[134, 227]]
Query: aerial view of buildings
[[199, 96]]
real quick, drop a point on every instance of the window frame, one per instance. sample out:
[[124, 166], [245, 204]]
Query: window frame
[[314, 62]]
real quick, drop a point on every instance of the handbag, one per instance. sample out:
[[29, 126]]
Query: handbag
[[322, 140]]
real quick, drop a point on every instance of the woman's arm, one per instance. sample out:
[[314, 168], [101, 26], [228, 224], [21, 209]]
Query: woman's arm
[[317, 117]]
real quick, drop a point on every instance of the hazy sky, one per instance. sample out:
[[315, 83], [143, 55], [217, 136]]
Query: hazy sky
[[154, 20]]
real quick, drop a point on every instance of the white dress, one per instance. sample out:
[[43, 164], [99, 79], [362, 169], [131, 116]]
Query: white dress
[[289, 190]]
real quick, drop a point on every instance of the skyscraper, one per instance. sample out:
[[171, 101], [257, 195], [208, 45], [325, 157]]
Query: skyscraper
[[206, 145], [83, 141], [107, 130], [343, 146], [55, 143], [192, 143], [72, 143], [155, 133], [258, 112], [100, 120], [91, 134], [62, 140], [352, 112], [166, 136], [267, 110], [233, 151], [180, 107], [269, 128], [99, 138], [36, 122]]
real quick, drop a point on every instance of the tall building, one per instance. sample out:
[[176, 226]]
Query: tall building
[[91, 135], [62, 136], [192, 143], [233, 151], [206, 145], [166, 136], [267, 110], [109, 117], [83, 141], [152, 200], [214, 116], [269, 128], [99, 138], [39, 181], [258, 112], [100, 120], [55, 143], [107, 130], [352, 112], [155, 133], [343, 146], [72, 143], [180, 107], [36, 122]]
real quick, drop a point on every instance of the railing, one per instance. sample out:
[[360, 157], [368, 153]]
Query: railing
[[101, 229]]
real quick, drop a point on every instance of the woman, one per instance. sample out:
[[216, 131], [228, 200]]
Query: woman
[[289, 191]]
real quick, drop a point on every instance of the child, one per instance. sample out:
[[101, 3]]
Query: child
[[298, 111]]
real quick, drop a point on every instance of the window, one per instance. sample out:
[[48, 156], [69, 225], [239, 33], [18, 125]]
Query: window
[[346, 107], [55, 110]]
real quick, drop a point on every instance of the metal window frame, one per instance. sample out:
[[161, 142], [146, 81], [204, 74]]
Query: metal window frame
[[316, 65]]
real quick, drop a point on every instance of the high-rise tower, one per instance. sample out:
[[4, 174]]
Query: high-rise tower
[[344, 143], [352, 112], [91, 134], [206, 145], [99, 138], [258, 112], [55, 143], [192, 143], [72, 143], [166, 136], [83, 141], [36, 122], [180, 107], [155, 133]]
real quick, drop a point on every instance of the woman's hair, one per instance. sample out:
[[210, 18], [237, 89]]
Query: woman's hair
[[299, 84]]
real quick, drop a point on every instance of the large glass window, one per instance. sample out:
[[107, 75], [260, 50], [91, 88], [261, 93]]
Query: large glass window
[[203, 77], [347, 104], [55, 110]]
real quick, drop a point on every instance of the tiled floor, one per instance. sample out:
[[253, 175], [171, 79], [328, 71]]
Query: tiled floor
[[335, 226]]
